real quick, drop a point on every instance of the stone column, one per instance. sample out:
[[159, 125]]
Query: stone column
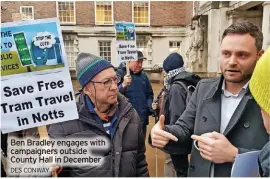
[[224, 22], [266, 25], [213, 40]]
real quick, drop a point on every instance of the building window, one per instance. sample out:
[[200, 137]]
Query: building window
[[71, 47], [66, 12], [27, 12], [105, 50], [141, 12], [174, 46], [104, 13], [141, 44]]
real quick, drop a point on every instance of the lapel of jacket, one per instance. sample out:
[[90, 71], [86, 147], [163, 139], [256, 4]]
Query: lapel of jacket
[[213, 102], [238, 112]]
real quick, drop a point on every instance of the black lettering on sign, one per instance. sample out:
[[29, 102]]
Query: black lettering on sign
[[122, 46], [6, 56], [16, 107], [9, 67], [39, 117], [122, 52], [54, 100], [7, 44], [50, 85], [17, 91], [6, 34], [22, 121]]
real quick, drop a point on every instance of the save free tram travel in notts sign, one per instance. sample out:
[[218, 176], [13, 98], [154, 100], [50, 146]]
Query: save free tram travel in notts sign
[[36, 87], [125, 41]]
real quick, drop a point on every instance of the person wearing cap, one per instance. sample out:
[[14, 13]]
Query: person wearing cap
[[222, 117], [174, 104], [103, 112], [137, 88], [260, 89]]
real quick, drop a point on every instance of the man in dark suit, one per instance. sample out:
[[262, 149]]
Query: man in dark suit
[[222, 114]]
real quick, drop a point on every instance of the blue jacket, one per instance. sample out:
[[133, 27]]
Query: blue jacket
[[139, 93]]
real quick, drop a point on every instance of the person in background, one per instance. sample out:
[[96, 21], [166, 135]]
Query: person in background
[[260, 89], [177, 84], [137, 88]]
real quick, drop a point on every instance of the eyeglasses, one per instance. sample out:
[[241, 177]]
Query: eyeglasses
[[109, 82]]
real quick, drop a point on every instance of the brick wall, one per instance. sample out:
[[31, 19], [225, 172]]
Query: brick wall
[[172, 13], [189, 11], [85, 12], [122, 11], [42, 10]]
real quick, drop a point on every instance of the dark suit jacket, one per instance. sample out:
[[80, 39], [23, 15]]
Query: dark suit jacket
[[203, 114]]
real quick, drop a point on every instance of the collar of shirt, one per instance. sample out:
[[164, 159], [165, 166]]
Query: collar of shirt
[[90, 105], [228, 94], [91, 109]]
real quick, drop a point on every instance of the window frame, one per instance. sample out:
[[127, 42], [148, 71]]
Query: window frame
[[33, 12], [100, 41], [145, 49], [96, 15], [173, 43], [73, 51], [57, 12], [139, 42], [149, 10]]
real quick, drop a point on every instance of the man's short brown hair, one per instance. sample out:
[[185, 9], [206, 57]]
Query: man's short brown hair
[[244, 28]]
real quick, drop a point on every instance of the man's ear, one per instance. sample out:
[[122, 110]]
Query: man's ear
[[260, 53], [86, 91]]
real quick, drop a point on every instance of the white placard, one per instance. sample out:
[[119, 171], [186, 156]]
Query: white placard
[[126, 51], [36, 87]]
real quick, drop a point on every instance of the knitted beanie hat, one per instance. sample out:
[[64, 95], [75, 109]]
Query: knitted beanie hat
[[88, 66], [172, 62], [260, 82]]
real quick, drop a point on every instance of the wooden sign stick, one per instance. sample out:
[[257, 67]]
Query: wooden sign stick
[[127, 68]]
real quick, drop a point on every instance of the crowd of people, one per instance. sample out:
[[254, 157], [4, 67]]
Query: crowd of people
[[212, 120]]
